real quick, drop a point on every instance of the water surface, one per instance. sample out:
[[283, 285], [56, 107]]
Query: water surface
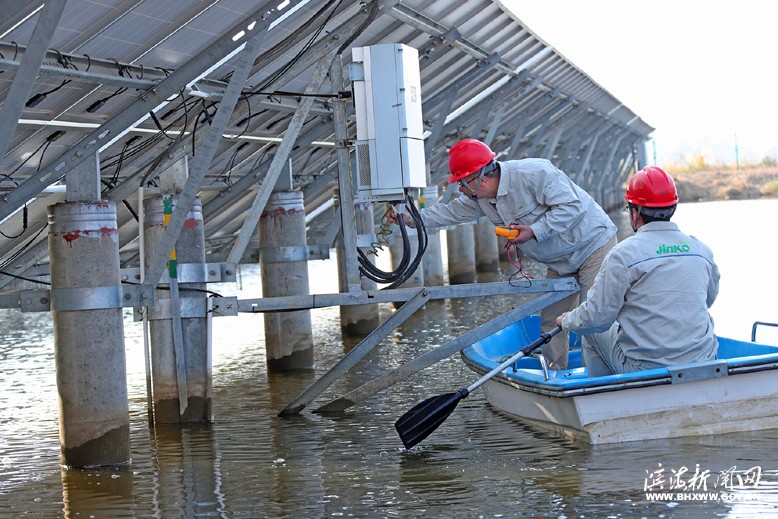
[[479, 463]]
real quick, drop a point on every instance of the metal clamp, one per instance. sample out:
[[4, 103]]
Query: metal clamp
[[89, 298], [284, 254], [191, 308], [191, 273]]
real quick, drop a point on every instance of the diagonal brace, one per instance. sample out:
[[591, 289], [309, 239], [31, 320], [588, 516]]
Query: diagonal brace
[[409, 368], [202, 160], [279, 160], [357, 353]]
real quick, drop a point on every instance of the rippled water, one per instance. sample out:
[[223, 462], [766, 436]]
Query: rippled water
[[479, 463]]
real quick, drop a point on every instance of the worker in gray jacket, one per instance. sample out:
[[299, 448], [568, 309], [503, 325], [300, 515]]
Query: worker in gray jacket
[[559, 224], [648, 306]]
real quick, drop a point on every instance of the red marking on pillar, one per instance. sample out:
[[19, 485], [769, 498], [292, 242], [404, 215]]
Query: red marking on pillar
[[191, 223], [72, 236]]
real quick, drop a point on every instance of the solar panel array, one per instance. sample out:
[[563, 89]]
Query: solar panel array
[[138, 83]]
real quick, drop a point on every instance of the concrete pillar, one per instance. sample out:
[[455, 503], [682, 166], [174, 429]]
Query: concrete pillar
[[190, 249], [88, 343], [284, 270], [359, 319], [432, 262], [486, 255], [460, 242]]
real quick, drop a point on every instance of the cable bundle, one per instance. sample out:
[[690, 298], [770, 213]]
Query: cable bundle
[[406, 267]]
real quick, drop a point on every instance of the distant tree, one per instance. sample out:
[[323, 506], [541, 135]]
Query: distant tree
[[769, 161], [696, 162]]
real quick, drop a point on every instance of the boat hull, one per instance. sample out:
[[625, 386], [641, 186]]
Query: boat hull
[[735, 393], [740, 403]]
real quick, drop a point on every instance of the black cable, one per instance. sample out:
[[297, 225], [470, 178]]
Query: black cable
[[24, 225], [4, 273], [406, 266], [181, 288], [21, 250], [421, 232]]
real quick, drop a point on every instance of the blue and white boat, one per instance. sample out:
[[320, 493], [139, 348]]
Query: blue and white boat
[[736, 392]]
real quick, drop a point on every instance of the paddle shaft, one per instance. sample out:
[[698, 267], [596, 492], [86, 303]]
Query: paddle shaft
[[524, 352]]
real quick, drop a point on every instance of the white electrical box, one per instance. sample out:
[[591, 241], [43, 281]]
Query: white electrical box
[[390, 132]]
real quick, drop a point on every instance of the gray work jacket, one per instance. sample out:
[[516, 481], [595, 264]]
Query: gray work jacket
[[658, 285], [568, 224]]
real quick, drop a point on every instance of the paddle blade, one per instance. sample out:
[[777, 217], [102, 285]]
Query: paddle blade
[[426, 416]]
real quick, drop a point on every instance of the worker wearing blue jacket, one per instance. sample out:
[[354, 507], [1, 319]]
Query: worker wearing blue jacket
[[648, 306]]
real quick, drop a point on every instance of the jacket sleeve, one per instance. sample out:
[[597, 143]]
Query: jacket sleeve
[[556, 191], [459, 210], [604, 300], [713, 285]]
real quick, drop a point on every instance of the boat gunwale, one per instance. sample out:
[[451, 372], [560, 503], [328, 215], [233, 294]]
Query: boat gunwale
[[637, 379]]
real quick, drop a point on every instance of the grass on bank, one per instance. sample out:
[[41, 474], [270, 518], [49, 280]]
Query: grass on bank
[[698, 181]]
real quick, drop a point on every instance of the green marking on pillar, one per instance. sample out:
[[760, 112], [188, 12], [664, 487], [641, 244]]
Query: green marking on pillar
[[167, 204]]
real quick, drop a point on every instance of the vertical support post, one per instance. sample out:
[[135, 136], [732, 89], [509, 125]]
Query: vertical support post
[[432, 261], [23, 80], [178, 324], [461, 254], [345, 185], [195, 328], [284, 270], [486, 254], [89, 343], [165, 384], [175, 310], [358, 319]]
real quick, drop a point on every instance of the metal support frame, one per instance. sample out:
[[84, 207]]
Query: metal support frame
[[310, 57], [256, 23], [398, 295], [442, 97], [356, 354], [410, 368], [345, 184], [203, 159], [279, 160], [237, 189], [21, 87]]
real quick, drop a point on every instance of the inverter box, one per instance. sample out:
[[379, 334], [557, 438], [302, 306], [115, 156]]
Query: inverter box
[[390, 133]]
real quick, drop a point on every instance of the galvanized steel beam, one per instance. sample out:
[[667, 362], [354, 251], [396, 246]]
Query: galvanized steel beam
[[20, 90], [357, 353], [398, 295], [279, 160], [202, 160], [145, 102], [463, 341]]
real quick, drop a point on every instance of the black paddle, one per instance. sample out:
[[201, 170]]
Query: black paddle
[[426, 416]]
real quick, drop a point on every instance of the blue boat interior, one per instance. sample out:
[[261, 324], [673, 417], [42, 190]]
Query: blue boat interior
[[734, 356]]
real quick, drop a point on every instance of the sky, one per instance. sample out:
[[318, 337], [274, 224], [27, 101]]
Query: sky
[[704, 74]]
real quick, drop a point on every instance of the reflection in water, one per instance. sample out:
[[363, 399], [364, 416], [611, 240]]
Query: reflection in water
[[106, 492], [252, 463]]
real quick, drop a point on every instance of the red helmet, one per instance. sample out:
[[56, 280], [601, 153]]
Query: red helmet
[[466, 157], [652, 187]]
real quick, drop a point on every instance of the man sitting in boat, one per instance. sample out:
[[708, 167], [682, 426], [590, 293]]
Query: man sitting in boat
[[648, 306]]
